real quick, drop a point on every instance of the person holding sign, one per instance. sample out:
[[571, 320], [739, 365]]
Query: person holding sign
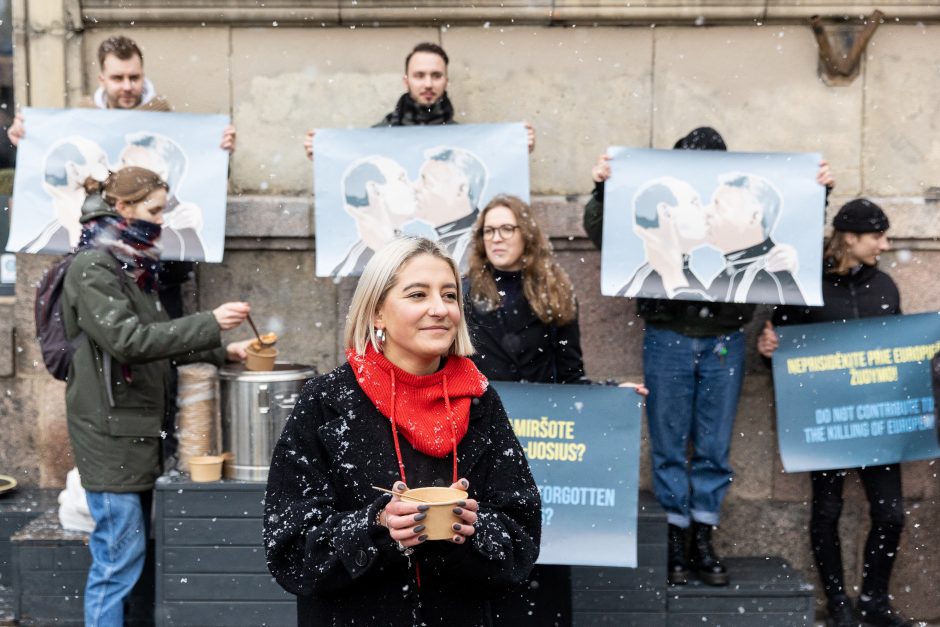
[[523, 318], [117, 379], [408, 409], [693, 364], [122, 84], [853, 287], [425, 101]]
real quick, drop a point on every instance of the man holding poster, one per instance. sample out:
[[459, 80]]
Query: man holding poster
[[123, 124], [122, 84], [853, 288], [693, 351], [425, 101], [440, 201]]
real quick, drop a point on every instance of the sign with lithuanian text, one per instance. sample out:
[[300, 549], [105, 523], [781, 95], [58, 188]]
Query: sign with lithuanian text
[[583, 446], [856, 393]]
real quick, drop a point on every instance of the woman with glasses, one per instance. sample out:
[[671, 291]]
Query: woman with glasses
[[523, 319], [521, 308]]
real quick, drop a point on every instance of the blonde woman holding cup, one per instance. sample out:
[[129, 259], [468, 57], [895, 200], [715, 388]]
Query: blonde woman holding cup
[[407, 409]]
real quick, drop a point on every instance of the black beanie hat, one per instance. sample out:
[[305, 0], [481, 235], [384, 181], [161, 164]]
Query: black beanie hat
[[861, 216], [702, 138]]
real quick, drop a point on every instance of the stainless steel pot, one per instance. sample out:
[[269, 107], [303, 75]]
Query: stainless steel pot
[[255, 406]]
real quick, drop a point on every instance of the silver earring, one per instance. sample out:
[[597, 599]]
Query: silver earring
[[380, 337]]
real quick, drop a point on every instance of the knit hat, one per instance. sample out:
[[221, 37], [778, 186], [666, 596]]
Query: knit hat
[[861, 216], [702, 138]]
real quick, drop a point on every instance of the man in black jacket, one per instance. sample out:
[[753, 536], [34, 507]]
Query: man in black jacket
[[425, 101], [451, 181]]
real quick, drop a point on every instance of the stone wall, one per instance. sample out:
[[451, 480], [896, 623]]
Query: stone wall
[[626, 81]]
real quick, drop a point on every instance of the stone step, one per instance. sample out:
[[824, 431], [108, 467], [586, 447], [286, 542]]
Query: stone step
[[17, 508], [51, 566], [212, 573], [6, 607], [763, 591]]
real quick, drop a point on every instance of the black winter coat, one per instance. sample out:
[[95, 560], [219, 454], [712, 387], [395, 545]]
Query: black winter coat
[[513, 344], [320, 532], [866, 293]]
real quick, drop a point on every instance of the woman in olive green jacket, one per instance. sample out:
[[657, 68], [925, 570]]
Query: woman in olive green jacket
[[124, 342]]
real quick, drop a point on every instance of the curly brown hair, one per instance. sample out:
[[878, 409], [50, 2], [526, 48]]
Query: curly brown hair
[[545, 284]]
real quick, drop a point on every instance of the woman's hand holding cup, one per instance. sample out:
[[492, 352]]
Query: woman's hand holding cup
[[466, 510], [403, 519]]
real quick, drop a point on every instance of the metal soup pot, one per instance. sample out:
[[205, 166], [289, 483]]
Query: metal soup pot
[[255, 406]]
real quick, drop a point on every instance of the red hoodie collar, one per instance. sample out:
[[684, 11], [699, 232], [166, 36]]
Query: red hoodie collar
[[432, 411]]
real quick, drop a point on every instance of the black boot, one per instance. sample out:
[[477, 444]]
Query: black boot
[[841, 613], [678, 565], [703, 559], [877, 612]]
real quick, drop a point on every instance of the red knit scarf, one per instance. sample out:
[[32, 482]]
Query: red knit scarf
[[432, 411]]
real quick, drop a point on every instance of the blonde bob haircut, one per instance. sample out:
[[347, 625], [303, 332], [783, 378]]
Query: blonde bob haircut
[[379, 276]]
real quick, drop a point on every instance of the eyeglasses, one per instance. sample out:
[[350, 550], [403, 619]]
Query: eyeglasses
[[505, 231]]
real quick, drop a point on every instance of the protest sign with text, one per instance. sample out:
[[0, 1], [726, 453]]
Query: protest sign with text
[[64, 147], [856, 393], [583, 446], [431, 181], [713, 226]]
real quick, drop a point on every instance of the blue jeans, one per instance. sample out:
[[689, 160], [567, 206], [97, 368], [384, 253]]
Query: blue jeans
[[694, 385], [118, 549]]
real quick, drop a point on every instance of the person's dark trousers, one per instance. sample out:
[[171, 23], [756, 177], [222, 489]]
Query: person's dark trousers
[[544, 600], [694, 384], [883, 489], [173, 275]]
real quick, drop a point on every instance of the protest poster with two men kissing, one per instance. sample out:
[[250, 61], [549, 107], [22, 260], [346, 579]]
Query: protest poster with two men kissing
[[430, 181], [713, 226], [63, 148]]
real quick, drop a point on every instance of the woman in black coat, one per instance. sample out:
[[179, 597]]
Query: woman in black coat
[[853, 287], [407, 408], [523, 318], [521, 307]]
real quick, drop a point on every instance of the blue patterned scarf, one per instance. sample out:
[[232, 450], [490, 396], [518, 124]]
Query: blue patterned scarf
[[132, 243]]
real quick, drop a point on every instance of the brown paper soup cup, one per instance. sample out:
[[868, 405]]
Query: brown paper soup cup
[[205, 468], [439, 523], [260, 359]]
